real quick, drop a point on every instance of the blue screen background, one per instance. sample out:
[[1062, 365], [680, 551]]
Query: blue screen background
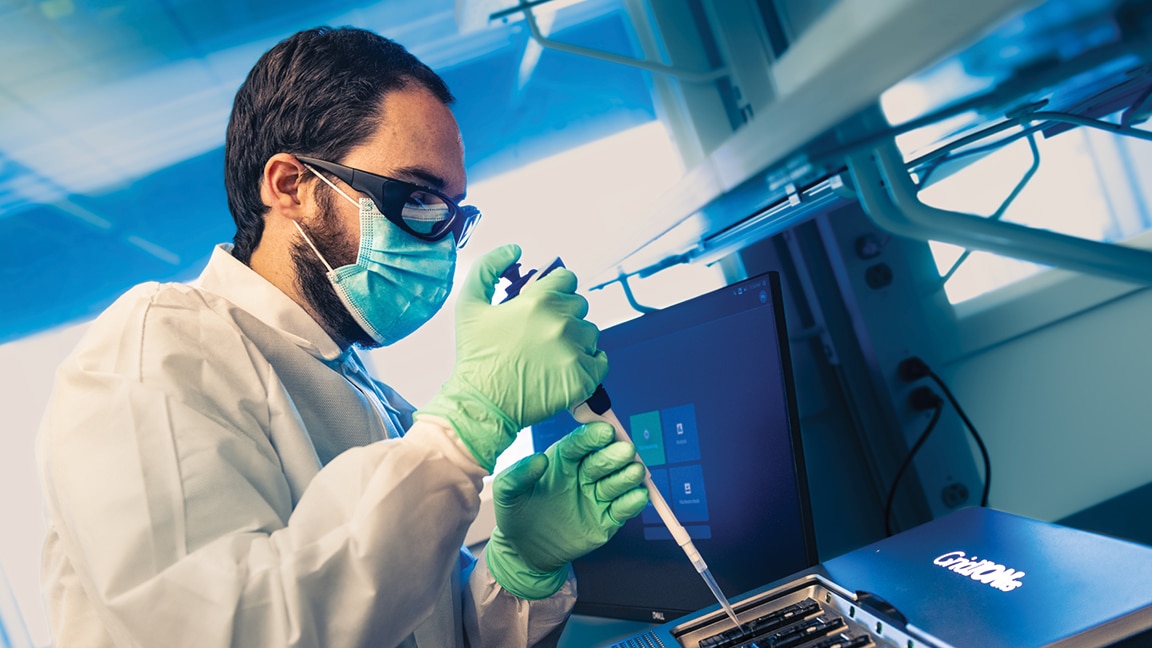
[[714, 364]]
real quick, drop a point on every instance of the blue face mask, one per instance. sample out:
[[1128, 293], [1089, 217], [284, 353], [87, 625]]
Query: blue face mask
[[398, 281]]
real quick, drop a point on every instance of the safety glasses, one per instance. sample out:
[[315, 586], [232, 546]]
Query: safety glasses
[[423, 212]]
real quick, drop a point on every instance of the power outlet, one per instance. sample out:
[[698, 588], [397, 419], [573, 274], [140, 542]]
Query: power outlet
[[954, 494]]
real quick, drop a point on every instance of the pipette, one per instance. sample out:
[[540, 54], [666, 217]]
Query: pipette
[[598, 407]]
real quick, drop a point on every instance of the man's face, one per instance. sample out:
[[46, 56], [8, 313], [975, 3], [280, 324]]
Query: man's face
[[417, 141]]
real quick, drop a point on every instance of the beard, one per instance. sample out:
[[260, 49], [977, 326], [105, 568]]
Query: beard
[[312, 275]]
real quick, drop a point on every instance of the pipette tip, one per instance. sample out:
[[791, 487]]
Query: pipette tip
[[716, 591]]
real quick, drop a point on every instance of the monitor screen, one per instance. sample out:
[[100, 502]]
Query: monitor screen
[[705, 390]]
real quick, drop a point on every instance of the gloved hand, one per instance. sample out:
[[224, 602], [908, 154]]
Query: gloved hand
[[554, 507], [517, 363]]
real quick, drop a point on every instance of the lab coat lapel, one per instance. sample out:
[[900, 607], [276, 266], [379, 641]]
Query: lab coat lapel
[[335, 414]]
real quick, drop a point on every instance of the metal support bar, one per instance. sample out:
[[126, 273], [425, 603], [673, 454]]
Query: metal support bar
[[657, 68], [889, 197], [1077, 120], [637, 306], [1003, 209]]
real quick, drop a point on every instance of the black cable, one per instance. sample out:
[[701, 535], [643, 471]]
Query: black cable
[[972, 428], [912, 369], [936, 411]]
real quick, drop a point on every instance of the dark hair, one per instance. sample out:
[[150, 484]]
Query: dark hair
[[316, 93]]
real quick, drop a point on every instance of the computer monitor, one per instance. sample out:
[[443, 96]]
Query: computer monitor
[[705, 389]]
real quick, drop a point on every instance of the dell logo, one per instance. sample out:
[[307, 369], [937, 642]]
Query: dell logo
[[992, 574]]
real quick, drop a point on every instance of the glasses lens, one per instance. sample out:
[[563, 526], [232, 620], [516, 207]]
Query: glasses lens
[[426, 213], [467, 218]]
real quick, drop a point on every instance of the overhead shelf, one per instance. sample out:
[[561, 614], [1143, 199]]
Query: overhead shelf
[[840, 65], [786, 162]]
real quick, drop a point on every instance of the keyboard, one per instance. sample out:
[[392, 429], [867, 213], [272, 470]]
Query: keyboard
[[809, 613]]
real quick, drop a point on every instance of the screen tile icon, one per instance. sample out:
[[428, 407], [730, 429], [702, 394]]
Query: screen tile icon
[[688, 501], [681, 440], [647, 437]]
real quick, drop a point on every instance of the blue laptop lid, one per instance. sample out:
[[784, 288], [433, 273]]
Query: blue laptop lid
[[981, 577]]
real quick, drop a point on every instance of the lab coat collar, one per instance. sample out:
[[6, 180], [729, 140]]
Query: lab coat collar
[[229, 278]]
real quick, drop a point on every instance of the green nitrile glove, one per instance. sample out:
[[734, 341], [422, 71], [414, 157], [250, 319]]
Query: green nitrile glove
[[554, 507], [517, 363]]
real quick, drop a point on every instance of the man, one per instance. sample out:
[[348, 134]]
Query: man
[[221, 471]]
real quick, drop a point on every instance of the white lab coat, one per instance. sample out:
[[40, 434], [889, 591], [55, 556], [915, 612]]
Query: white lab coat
[[218, 473]]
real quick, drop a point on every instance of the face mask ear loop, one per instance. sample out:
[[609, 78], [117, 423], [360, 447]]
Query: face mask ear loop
[[311, 245], [307, 239]]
